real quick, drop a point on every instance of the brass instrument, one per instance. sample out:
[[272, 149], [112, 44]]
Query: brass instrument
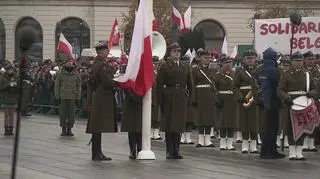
[[248, 100]]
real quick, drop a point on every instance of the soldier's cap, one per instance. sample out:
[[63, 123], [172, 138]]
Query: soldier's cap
[[102, 45], [174, 45], [285, 60], [297, 56], [202, 52], [223, 58], [308, 54], [250, 53]]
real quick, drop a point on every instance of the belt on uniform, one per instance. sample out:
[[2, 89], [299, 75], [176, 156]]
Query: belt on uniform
[[297, 92], [203, 86], [178, 86], [245, 87], [226, 92]]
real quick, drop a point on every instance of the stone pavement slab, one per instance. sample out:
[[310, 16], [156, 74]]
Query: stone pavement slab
[[44, 154]]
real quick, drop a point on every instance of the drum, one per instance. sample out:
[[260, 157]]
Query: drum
[[304, 116]]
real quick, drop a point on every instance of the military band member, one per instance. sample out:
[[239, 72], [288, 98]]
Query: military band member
[[67, 90], [155, 113], [174, 89], [9, 95], [227, 120], [284, 109], [308, 143], [102, 116], [293, 84], [204, 99], [246, 92]]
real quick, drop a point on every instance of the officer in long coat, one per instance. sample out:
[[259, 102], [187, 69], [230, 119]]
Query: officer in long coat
[[174, 90], [227, 120], [132, 121], [284, 109], [308, 143], [9, 98], [246, 92], [155, 109], [293, 84], [204, 99], [102, 117], [67, 90]]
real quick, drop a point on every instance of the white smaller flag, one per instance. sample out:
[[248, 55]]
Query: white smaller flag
[[234, 52], [186, 20], [224, 49]]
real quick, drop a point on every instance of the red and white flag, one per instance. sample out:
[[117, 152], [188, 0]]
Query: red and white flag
[[139, 72], [114, 39], [65, 47], [155, 26], [176, 16], [224, 49], [183, 22], [234, 53]]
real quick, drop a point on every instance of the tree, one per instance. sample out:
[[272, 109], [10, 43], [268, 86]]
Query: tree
[[162, 11], [269, 9]]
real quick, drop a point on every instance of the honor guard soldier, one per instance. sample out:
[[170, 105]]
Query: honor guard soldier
[[246, 92], [67, 90], [155, 113], [308, 143], [174, 89], [204, 99], [284, 110], [9, 95], [292, 84], [269, 76], [102, 116], [223, 80]]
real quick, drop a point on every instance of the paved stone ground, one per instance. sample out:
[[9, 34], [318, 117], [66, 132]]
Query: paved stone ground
[[46, 155]]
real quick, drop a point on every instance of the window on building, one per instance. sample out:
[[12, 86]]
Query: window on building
[[213, 34], [76, 31], [2, 41], [35, 53]]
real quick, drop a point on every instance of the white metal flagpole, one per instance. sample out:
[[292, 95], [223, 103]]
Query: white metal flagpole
[[146, 153]]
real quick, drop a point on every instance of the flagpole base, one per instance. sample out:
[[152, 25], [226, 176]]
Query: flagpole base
[[146, 155]]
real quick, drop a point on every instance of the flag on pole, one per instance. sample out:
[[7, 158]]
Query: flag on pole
[[224, 49], [186, 21], [234, 52], [176, 16], [139, 73], [155, 26], [65, 47], [114, 39]]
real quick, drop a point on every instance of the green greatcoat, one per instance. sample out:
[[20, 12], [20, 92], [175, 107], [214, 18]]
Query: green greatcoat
[[8, 93], [132, 112], [67, 85]]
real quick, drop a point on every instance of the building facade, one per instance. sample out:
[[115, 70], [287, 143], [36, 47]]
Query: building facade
[[85, 22]]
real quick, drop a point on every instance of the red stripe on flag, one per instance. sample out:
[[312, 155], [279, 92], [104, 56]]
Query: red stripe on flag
[[63, 48]]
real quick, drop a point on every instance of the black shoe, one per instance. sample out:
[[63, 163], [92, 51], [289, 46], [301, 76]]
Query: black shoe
[[64, 131], [293, 158], [232, 149], [244, 152], [132, 156], [190, 143], [254, 152], [301, 159], [169, 157], [178, 157], [305, 150], [8, 132], [199, 145], [211, 145], [160, 138], [239, 141], [313, 150], [69, 132], [100, 157], [279, 155]]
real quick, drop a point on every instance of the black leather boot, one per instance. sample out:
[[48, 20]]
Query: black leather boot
[[64, 131], [69, 132], [97, 154], [176, 146], [132, 145], [169, 146]]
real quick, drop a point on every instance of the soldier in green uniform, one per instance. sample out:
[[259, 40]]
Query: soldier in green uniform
[[246, 92], [293, 84], [308, 143], [9, 95], [284, 109], [67, 90], [155, 113], [174, 88], [223, 80], [204, 99], [102, 116]]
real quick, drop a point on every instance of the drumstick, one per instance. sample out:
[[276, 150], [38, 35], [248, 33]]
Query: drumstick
[[300, 105]]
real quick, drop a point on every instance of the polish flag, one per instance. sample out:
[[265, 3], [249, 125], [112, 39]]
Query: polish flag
[[234, 52], [224, 49], [186, 21], [176, 16], [155, 26], [114, 39], [139, 75], [65, 47]]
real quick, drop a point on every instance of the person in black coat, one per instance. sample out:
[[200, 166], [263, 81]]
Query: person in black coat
[[269, 77]]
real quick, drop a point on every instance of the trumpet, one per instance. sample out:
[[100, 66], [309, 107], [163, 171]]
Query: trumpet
[[248, 100]]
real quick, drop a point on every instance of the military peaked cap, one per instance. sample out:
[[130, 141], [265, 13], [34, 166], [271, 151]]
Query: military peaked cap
[[102, 45], [250, 53], [308, 54], [297, 56]]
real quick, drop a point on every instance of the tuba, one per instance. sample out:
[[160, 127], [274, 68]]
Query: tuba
[[159, 45], [248, 100]]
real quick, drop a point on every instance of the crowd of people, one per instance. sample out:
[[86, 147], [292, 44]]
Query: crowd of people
[[240, 98]]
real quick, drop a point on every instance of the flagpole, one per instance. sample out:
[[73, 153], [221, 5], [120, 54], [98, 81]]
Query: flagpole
[[146, 153]]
